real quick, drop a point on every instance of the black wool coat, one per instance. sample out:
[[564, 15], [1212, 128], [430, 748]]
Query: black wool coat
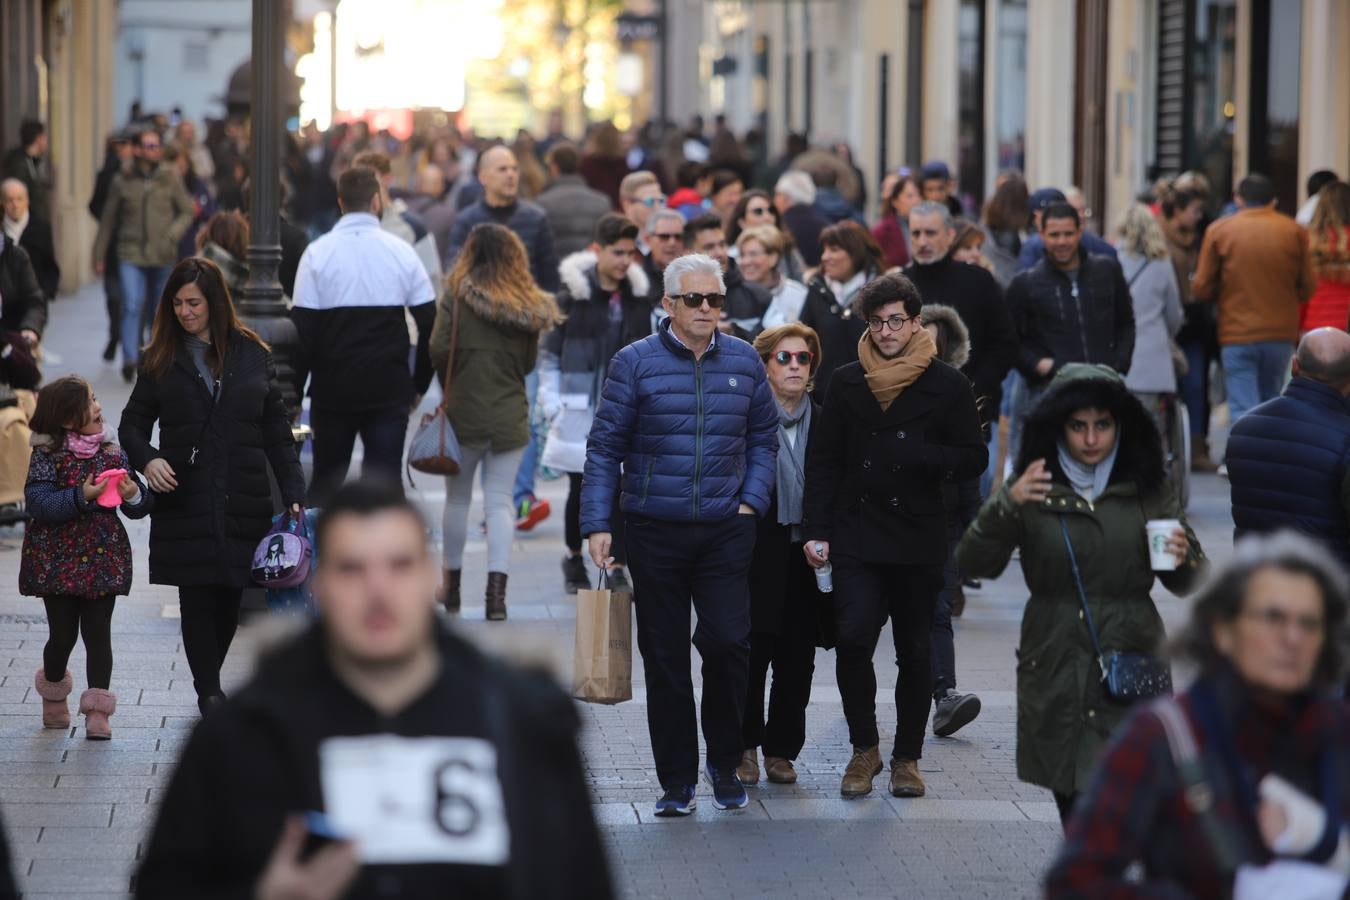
[[839, 328], [204, 531], [874, 477]]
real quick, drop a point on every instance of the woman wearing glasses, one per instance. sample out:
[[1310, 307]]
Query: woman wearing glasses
[[756, 209], [785, 605], [896, 424]]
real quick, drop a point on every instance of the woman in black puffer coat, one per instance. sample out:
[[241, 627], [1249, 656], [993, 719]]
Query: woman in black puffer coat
[[210, 384]]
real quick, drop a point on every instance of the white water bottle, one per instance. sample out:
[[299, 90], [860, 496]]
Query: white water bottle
[[825, 574]]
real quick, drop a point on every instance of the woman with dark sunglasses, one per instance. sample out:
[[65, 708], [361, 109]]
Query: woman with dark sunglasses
[[756, 209], [786, 608]]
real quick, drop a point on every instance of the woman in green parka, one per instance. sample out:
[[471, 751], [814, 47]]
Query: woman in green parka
[[1090, 455]]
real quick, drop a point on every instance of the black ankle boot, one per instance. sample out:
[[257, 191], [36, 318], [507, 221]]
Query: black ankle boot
[[495, 598]]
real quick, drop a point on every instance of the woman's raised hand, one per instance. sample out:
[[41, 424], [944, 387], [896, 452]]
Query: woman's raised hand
[[1033, 486]]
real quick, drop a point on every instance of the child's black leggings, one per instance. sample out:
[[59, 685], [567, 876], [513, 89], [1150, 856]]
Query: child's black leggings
[[67, 619]]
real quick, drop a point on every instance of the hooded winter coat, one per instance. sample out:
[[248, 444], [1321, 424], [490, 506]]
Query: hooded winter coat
[[1064, 717], [574, 356], [204, 531], [257, 760], [497, 346]]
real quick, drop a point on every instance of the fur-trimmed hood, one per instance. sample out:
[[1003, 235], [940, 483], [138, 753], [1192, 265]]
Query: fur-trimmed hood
[[532, 311], [577, 273], [1081, 385], [958, 336]]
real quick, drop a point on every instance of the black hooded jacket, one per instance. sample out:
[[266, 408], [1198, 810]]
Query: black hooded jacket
[[257, 760]]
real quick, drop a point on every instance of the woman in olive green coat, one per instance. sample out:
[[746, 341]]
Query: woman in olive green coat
[[1091, 456], [500, 312]]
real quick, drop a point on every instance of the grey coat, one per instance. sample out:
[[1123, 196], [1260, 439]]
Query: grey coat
[[573, 209], [1157, 319]]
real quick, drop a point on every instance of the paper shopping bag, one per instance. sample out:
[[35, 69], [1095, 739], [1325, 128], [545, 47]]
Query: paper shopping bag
[[602, 670]]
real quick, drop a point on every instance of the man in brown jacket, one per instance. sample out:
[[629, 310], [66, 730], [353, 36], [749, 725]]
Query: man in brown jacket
[[1256, 267], [149, 210]]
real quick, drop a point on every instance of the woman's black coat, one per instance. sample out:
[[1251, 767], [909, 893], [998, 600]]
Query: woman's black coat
[[874, 477], [839, 328], [204, 531], [781, 581]]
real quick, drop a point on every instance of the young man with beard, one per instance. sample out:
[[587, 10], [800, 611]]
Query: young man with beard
[[379, 755], [896, 425]]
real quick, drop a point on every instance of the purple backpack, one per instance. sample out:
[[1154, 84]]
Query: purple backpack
[[283, 556]]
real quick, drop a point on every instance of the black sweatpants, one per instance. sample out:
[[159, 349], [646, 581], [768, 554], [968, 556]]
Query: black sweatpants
[[865, 596], [792, 653], [674, 565], [210, 616], [69, 618], [572, 522]]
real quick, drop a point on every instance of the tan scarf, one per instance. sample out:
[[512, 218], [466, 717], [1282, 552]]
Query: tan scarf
[[888, 377]]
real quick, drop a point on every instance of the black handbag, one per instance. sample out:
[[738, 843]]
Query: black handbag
[[1127, 677]]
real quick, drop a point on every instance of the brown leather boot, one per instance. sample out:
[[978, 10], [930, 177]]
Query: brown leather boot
[[748, 770], [905, 778], [450, 591], [779, 770], [495, 598], [862, 768], [1200, 461]]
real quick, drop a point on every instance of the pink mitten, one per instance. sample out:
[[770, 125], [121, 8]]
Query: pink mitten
[[110, 479]]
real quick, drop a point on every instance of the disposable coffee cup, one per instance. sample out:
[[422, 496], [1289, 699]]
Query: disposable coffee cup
[[1159, 532]]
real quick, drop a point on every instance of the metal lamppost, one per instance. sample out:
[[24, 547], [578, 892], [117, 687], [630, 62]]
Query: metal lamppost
[[261, 302]]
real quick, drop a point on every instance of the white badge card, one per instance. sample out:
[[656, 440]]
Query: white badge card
[[416, 800], [576, 401]]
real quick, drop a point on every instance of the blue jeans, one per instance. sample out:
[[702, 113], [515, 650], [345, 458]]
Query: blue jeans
[[524, 486], [1195, 389], [1254, 373], [138, 284]]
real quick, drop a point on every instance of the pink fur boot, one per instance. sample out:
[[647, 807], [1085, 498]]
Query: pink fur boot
[[97, 704], [55, 712]]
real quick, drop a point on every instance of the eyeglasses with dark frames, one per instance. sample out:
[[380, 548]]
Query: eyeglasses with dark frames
[[696, 301], [893, 323]]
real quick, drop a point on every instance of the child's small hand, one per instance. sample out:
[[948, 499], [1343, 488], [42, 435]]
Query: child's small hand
[[91, 490], [127, 488]]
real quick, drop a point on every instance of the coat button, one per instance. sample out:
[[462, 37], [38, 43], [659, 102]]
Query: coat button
[[1061, 502], [867, 464], [900, 435], [1092, 714], [895, 501]]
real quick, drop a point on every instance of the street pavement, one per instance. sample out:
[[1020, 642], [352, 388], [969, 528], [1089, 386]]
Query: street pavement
[[77, 812]]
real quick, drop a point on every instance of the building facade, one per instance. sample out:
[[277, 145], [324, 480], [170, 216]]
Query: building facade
[[1102, 94]]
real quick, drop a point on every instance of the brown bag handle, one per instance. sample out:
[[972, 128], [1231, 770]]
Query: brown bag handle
[[450, 361]]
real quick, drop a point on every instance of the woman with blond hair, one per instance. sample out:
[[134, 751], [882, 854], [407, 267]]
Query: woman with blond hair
[[1147, 263], [761, 250], [488, 322], [1329, 241], [786, 609]]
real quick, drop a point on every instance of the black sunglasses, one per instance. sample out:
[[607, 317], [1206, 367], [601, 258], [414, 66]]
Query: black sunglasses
[[757, 210], [694, 301], [783, 357]]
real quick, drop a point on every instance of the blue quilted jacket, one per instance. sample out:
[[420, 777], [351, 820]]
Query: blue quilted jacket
[[1288, 461], [696, 438]]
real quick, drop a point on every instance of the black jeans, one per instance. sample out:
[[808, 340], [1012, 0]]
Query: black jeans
[[112, 293], [865, 595], [1065, 802], [792, 653], [572, 522], [210, 618], [673, 564], [69, 618], [382, 432]]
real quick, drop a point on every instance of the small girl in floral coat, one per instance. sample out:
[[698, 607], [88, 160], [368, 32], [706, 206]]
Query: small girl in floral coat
[[76, 555]]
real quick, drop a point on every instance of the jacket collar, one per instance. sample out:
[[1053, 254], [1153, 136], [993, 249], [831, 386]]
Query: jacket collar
[[675, 345], [356, 220], [577, 273], [1317, 393], [914, 401]]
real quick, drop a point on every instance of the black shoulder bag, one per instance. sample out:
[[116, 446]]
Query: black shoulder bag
[[1127, 677]]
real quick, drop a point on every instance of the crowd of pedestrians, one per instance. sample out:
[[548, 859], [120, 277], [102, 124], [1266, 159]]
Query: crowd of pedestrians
[[798, 417]]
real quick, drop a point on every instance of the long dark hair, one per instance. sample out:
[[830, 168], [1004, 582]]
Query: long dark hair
[[733, 223], [60, 404], [167, 334], [856, 241]]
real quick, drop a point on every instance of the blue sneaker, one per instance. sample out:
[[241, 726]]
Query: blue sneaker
[[677, 801], [728, 792]]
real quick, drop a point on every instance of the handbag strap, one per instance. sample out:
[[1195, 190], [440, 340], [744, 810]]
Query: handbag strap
[[1082, 595], [1197, 790], [1137, 272], [603, 584], [450, 360]]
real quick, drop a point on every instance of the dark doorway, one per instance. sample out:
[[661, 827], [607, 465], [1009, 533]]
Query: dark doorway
[[1272, 137]]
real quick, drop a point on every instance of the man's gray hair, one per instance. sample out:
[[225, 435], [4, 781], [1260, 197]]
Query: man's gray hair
[[933, 208], [662, 215], [9, 181], [690, 264], [797, 186]]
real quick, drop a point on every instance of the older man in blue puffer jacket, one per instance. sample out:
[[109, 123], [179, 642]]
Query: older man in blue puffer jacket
[[688, 415]]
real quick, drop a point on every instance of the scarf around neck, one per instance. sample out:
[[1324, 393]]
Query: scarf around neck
[[1087, 482], [792, 461], [888, 377], [14, 228], [84, 445]]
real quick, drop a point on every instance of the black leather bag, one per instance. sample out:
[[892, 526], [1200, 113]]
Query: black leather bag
[[1127, 677]]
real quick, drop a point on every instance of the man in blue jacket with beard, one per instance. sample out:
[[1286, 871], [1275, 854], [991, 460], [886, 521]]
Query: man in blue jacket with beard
[[688, 415]]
